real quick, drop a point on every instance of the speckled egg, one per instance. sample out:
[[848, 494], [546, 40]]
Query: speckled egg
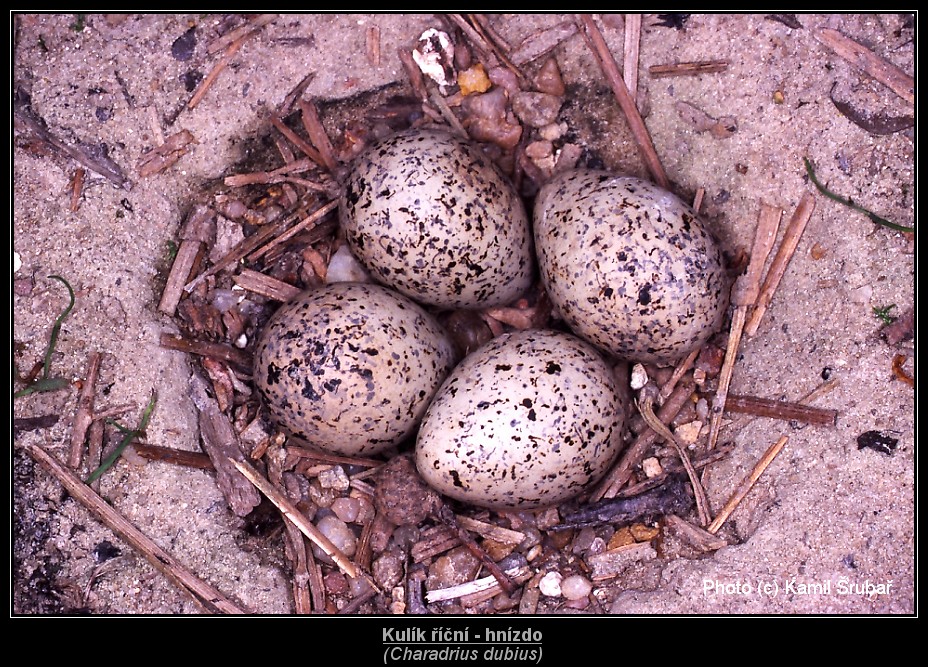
[[528, 420], [430, 215], [629, 266], [351, 367]]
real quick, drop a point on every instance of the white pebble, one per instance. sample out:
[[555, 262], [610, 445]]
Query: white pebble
[[550, 584], [334, 478], [651, 467], [346, 509], [345, 268], [339, 534], [576, 587]]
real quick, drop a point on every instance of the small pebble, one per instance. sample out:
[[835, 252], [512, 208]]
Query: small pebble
[[688, 433], [339, 534], [643, 533], [547, 518], [550, 584], [334, 478], [583, 540], [346, 509], [365, 510], [387, 570], [335, 583], [597, 546], [576, 587], [345, 268], [651, 467], [456, 567], [536, 109], [321, 497]]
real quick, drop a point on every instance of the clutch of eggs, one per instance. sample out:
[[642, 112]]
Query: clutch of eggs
[[351, 367], [528, 420], [431, 216]]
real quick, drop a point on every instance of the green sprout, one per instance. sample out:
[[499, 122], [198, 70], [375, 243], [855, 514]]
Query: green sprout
[[850, 203], [78, 25], [128, 436], [47, 383], [883, 313]]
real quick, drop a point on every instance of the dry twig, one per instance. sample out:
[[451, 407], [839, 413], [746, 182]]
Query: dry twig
[[84, 415], [294, 515], [746, 485], [201, 592], [621, 473], [77, 187], [635, 123], [743, 295], [688, 68], [791, 236], [646, 400], [630, 61], [863, 58], [266, 286]]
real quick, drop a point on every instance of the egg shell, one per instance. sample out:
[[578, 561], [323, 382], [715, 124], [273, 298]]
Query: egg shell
[[429, 214], [351, 367], [528, 420], [629, 266]]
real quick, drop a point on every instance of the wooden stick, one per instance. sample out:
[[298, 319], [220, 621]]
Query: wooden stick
[[77, 187], [678, 372], [646, 400], [214, 73], [863, 58], [791, 236], [254, 23], [294, 166], [266, 286], [219, 351], [743, 294], [305, 223], [688, 68], [747, 484], [767, 407], [372, 42], [297, 140], [630, 61], [293, 514], [205, 595], [317, 134], [83, 417], [475, 586], [173, 456], [639, 130]]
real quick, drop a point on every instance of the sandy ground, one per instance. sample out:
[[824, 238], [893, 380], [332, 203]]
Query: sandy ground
[[830, 527]]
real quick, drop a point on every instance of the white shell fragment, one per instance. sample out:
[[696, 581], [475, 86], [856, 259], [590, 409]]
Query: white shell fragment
[[528, 420], [434, 55], [629, 266], [430, 215], [351, 367]]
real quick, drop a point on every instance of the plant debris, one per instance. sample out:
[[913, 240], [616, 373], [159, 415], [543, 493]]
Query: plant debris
[[874, 123], [878, 442], [850, 202]]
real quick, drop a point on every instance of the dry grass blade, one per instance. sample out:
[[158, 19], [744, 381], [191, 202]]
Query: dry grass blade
[[743, 295], [863, 58], [791, 236], [630, 60], [317, 134], [688, 68], [306, 223], [84, 415], [295, 516], [621, 473], [747, 484], [626, 103], [204, 594]]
